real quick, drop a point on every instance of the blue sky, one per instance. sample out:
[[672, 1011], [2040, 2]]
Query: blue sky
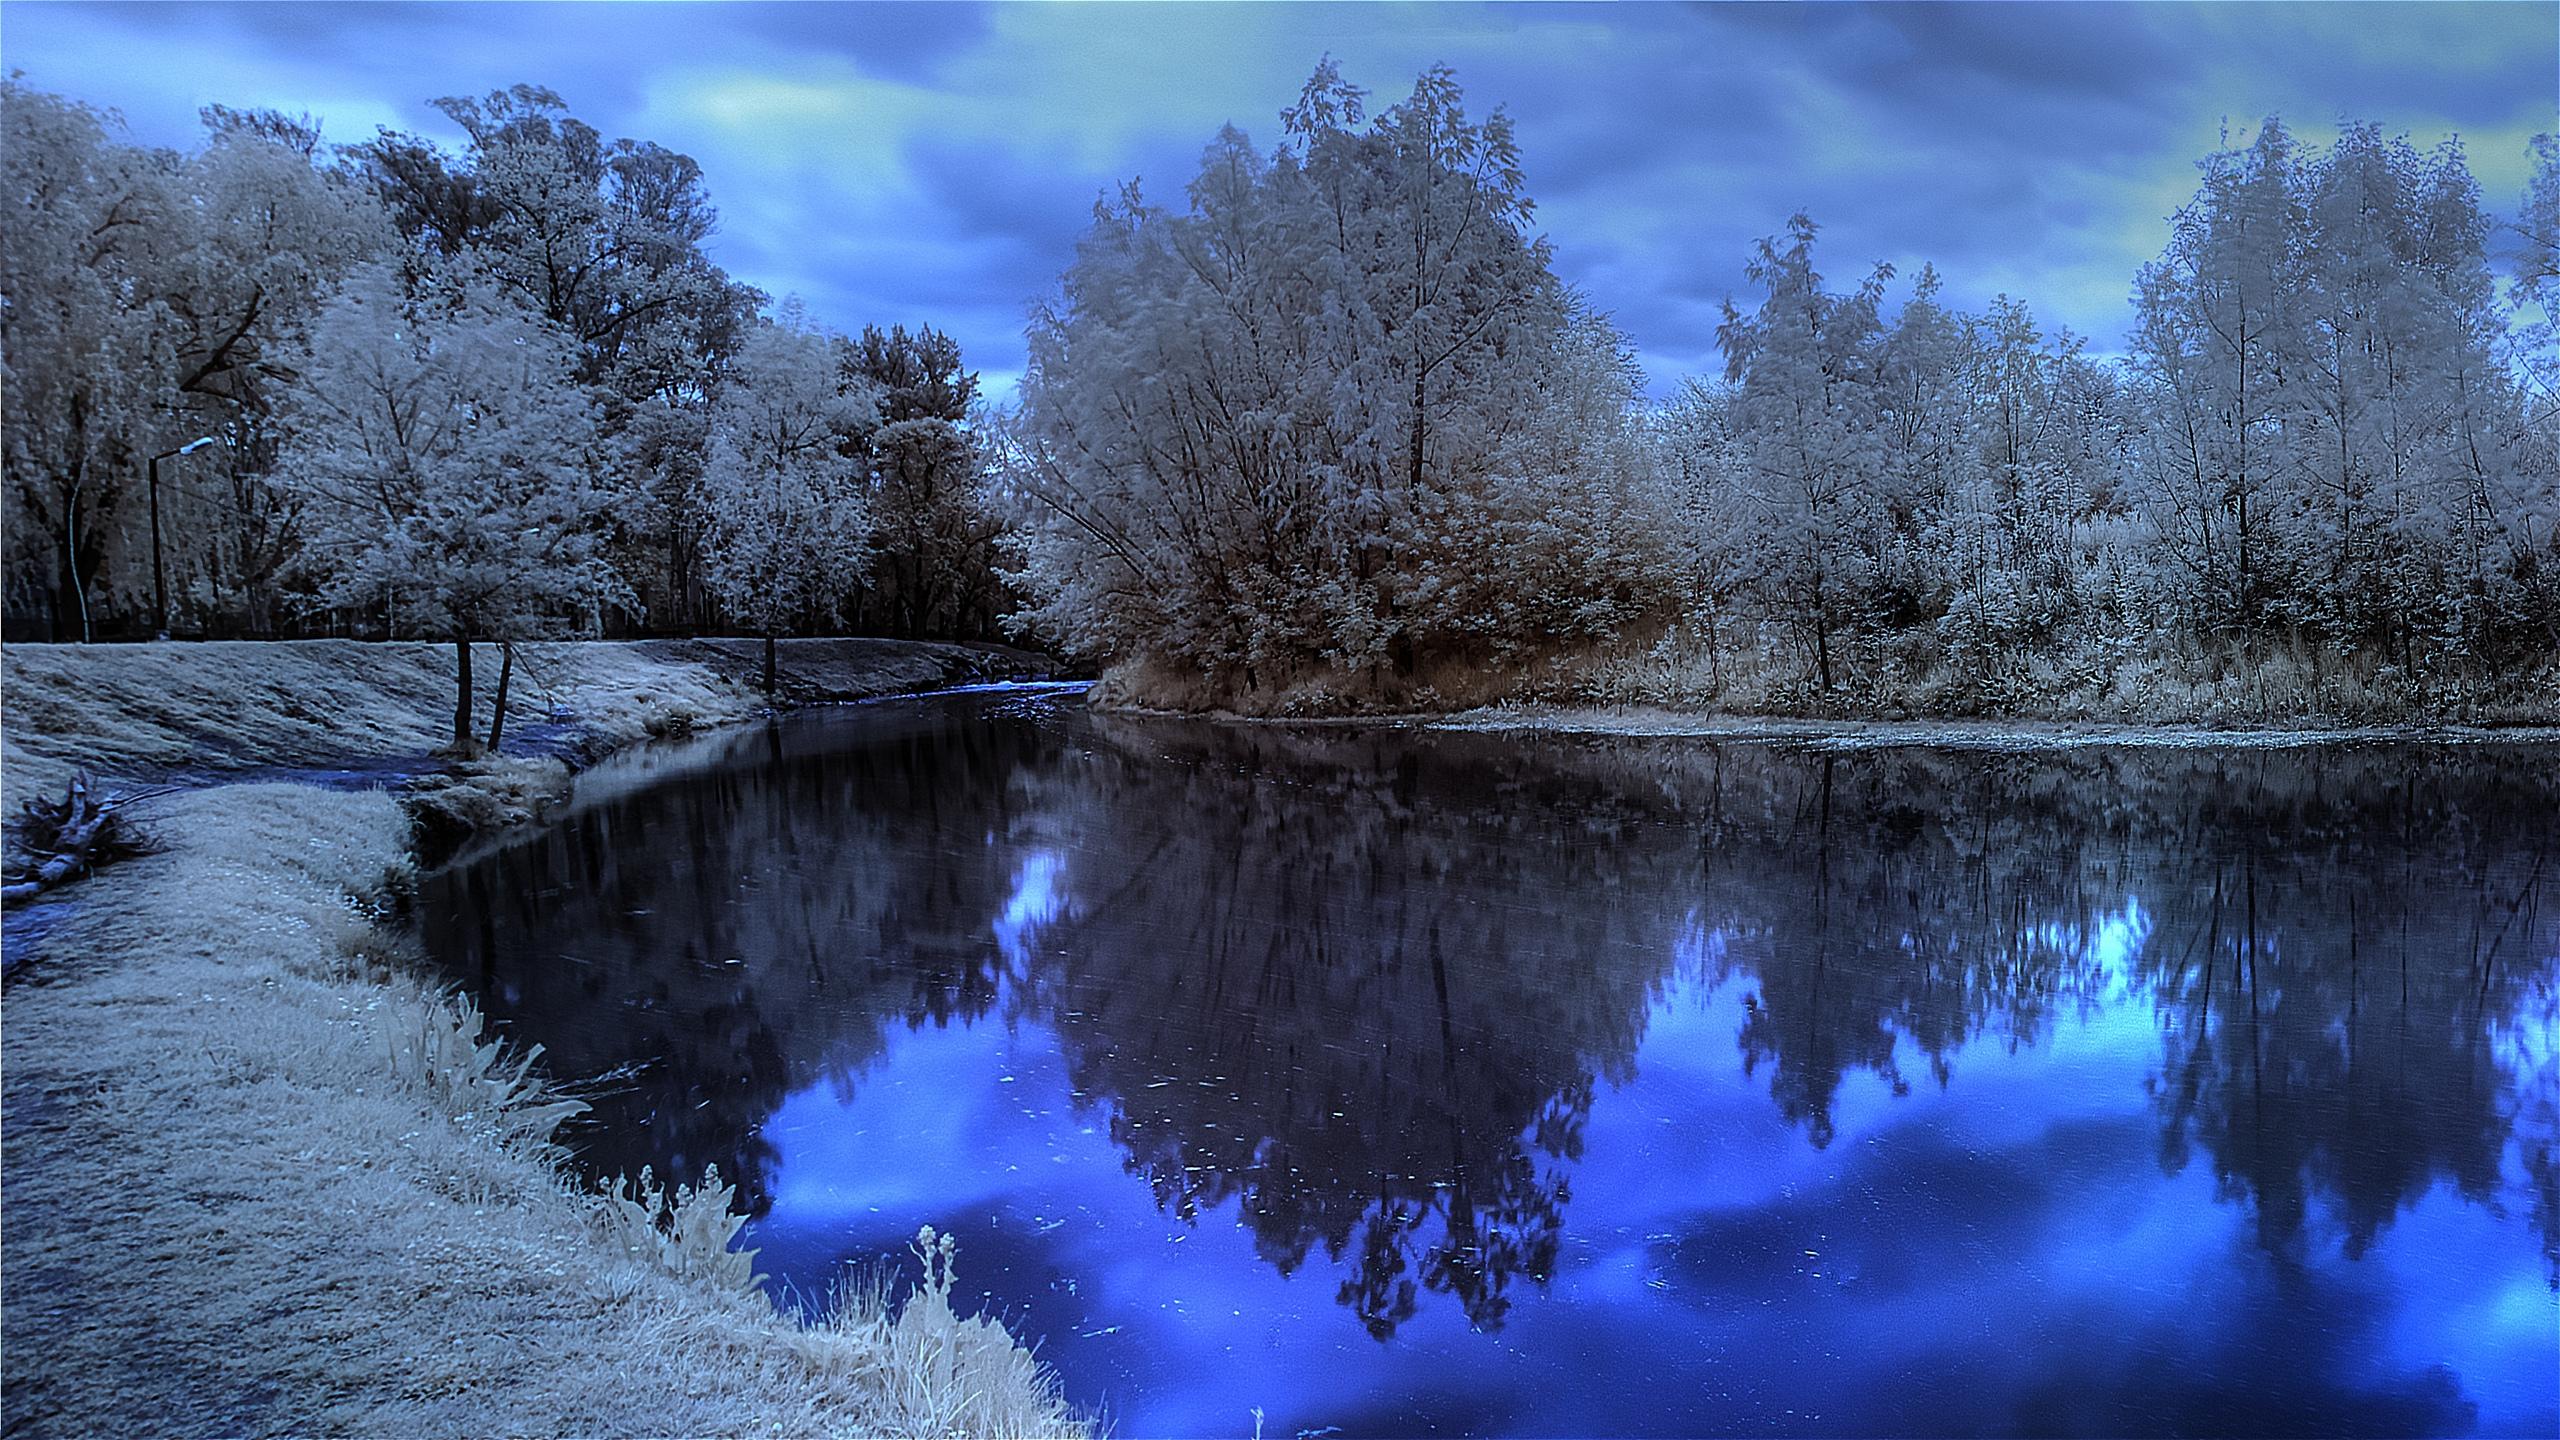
[[934, 163]]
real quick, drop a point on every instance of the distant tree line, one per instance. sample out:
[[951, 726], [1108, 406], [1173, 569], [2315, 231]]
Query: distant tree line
[[1329, 433], [277, 387], [1334, 432]]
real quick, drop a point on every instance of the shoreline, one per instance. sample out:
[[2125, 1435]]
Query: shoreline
[[1845, 734], [1640, 722], [249, 1190]]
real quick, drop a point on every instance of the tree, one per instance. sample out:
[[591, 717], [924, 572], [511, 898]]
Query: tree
[[785, 521], [1291, 434], [1805, 403], [153, 300], [86, 349], [265, 238], [445, 463], [604, 239], [2218, 319], [934, 563]]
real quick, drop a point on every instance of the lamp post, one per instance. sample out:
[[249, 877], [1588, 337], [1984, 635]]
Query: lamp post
[[159, 566]]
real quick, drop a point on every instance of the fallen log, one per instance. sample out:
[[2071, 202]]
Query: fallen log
[[53, 842]]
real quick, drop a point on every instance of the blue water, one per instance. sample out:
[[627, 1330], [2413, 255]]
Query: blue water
[[1393, 1082]]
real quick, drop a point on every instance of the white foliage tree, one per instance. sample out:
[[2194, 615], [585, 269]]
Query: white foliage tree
[[82, 336], [1806, 405], [152, 299], [785, 517], [445, 464], [1305, 426]]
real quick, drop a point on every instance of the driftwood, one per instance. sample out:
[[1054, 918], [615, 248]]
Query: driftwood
[[53, 842]]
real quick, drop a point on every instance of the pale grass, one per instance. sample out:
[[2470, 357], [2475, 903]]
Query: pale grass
[[230, 1210], [133, 712], [2142, 680], [125, 711]]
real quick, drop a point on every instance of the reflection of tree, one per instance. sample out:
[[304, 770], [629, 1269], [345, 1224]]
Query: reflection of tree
[[1361, 986], [1895, 905], [2344, 949], [2332, 1005], [716, 943]]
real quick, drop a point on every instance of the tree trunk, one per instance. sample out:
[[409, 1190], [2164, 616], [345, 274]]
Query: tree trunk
[[506, 673], [462, 691], [769, 676]]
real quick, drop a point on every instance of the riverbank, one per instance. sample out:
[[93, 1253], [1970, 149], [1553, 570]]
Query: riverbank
[[251, 1187], [2003, 735], [346, 712], [2139, 688]]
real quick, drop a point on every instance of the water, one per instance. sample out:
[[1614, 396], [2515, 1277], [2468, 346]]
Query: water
[[1416, 1083]]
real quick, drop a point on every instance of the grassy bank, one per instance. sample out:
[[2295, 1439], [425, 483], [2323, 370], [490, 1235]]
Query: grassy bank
[[2003, 735], [1743, 675], [253, 1182], [137, 712]]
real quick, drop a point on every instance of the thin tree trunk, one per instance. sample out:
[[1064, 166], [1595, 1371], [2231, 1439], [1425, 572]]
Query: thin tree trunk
[[462, 691], [506, 673]]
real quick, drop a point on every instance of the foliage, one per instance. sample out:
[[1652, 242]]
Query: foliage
[[1326, 431], [687, 1230], [485, 1085], [934, 543], [785, 518], [1335, 416]]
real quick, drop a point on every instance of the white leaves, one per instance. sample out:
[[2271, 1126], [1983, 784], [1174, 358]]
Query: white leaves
[[1337, 414], [446, 460], [782, 498]]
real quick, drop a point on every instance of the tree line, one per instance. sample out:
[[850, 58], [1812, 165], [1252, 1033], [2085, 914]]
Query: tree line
[[1333, 430], [1329, 432], [276, 387]]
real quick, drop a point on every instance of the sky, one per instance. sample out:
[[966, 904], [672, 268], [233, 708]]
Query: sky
[[934, 163]]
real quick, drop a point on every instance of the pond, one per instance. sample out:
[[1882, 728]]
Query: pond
[[1392, 1081]]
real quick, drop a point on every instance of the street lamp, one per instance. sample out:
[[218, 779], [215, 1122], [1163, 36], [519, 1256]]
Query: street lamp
[[159, 566]]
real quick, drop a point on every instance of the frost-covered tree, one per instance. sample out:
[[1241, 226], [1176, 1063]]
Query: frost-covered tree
[[2218, 317], [605, 240], [785, 518], [152, 300], [2535, 293], [445, 463], [1806, 405], [267, 237], [88, 361], [2334, 446], [1298, 429]]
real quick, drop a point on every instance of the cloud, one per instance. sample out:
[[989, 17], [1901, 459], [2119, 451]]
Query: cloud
[[899, 162]]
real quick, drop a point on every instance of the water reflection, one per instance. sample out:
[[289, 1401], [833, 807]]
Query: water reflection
[[1357, 994]]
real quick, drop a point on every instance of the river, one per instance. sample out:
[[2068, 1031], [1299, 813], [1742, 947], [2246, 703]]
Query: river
[[1393, 1081]]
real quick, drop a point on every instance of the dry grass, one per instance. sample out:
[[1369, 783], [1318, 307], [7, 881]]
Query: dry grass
[[130, 712], [2146, 680], [231, 1210]]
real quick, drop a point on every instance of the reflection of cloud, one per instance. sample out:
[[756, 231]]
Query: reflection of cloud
[[930, 163], [1036, 900]]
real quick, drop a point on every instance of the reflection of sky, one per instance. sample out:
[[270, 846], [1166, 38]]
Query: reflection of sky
[[1035, 902], [2002, 1254]]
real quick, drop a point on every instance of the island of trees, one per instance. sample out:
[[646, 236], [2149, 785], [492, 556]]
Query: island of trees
[[1328, 434]]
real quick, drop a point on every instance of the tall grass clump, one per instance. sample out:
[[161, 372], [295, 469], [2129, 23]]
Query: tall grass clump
[[687, 1230], [487, 1086]]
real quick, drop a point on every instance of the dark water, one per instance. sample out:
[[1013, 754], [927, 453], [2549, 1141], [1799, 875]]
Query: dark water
[[1414, 1083]]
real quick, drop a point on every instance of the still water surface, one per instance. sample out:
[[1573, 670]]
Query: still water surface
[[1399, 1082]]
